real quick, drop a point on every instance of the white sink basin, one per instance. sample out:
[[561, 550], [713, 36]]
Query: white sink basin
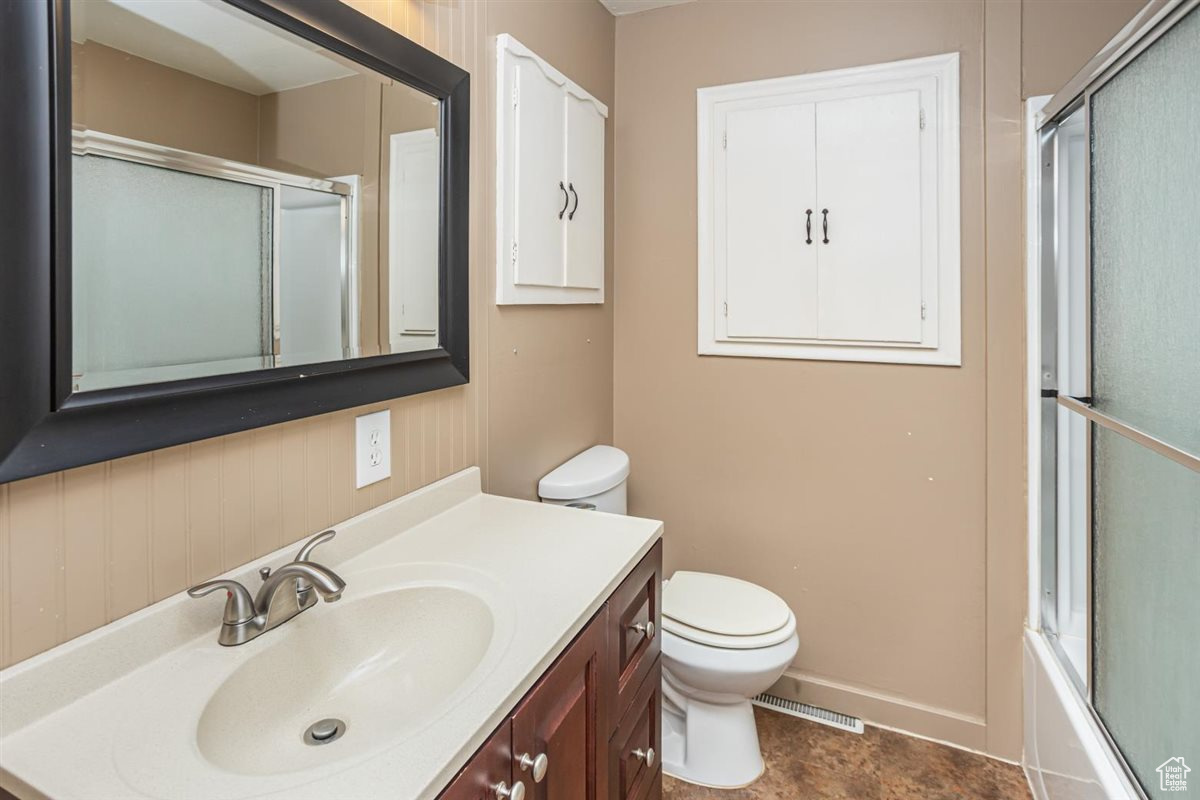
[[384, 665]]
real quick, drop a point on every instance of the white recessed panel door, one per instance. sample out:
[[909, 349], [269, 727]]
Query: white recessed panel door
[[769, 266], [539, 186], [413, 242], [869, 193], [585, 185]]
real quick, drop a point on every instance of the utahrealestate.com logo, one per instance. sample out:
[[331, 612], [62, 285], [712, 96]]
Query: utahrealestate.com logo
[[1172, 775]]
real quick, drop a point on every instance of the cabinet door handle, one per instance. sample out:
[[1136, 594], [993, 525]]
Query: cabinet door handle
[[571, 216], [825, 224], [646, 755], [502, 792], [540, 764], [808, 226], [644, 628], [566, 200]]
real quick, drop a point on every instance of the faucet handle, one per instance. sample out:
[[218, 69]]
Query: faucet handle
[[312, 543], [239, 607]]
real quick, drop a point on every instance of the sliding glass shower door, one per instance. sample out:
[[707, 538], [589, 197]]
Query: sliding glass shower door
[[1123, 380]]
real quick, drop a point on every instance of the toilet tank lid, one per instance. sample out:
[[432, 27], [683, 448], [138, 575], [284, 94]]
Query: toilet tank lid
[[593, 471]]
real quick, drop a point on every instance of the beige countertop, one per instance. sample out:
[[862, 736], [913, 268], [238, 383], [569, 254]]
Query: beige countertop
[[117, 713]]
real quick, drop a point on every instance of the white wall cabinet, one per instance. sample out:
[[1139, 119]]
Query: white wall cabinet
[[549, 183], [828, 215]]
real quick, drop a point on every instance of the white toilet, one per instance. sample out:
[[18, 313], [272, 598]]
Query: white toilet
[[724, 641]]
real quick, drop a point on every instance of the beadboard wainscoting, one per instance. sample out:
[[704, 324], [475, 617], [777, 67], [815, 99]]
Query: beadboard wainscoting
[[84, 547]]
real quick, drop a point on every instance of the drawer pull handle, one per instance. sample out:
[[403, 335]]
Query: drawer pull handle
[[646, 755], [502, 792], [540, 764], [646, 628]]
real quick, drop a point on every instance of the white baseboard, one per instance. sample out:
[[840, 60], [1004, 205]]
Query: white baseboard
[[962, 731]]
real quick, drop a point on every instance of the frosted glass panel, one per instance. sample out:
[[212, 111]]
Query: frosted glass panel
[[170, 271], [1146, 586], [1145, 240]]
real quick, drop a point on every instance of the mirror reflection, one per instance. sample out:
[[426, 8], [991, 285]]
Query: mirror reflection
[[242, 198]]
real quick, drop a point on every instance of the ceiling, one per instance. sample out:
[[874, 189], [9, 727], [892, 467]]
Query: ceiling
[[209, 40], [620, 7]]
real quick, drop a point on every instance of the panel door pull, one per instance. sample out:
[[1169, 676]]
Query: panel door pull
[[571, 187], [566, 200], [825, 224], [808, 226], [539, 765]]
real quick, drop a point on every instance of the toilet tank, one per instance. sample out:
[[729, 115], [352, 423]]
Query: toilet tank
[[595, 477]]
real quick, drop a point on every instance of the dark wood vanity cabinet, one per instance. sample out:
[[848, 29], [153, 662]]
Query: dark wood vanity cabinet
[[594, 716], [562, 719]]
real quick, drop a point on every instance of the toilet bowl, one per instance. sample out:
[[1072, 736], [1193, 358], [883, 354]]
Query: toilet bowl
[[724, 641]]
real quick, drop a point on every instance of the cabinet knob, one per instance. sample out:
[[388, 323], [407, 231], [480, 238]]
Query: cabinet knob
[[540, 764], [502, 792], [646, 755], [646, 628]]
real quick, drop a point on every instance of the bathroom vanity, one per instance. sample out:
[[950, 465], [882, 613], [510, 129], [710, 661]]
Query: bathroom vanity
[[483, 648], [590, 727]]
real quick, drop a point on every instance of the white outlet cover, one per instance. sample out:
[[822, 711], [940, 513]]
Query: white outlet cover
[[372, 448]]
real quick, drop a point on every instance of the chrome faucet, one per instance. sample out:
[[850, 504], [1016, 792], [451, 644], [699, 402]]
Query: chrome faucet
[[284, 593]]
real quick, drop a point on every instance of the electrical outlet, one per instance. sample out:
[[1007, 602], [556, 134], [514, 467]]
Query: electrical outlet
[[372, 448]]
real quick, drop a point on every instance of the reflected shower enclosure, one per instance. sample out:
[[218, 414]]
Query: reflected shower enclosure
[[259, 201]]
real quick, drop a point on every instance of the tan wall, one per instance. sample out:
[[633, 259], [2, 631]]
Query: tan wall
[[327, 129], [855, 491], [86, 546], [550, 397], [884, 503], [118, 93], [1059, 36]]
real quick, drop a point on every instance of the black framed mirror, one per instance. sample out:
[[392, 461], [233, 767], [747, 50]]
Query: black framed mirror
[[220, 214]]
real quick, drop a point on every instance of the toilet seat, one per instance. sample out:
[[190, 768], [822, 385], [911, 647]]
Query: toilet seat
[[724, 612], [729, 642]]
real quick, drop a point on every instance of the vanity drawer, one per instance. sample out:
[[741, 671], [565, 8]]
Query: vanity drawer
[[634, 753], [491, 764], [633, 636]]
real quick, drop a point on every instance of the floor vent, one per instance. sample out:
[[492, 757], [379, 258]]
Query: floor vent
[[824, 716]]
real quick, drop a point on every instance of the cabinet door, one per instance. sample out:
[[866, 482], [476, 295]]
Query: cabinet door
[[869, 182], [562, 718], [585, 176], [769, 266], [488, 768], [634, 621], [634, 754], [538, 185]]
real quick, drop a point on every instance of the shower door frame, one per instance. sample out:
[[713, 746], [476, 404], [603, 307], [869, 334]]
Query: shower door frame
[[86, 142], [1150, 24]]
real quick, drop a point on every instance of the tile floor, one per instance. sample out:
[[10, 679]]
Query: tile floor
[[807, 761]]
